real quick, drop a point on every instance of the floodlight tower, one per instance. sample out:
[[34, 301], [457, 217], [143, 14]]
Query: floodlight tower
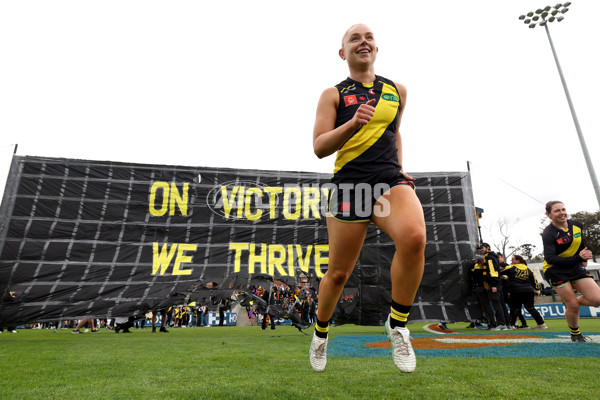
[[543, 17]]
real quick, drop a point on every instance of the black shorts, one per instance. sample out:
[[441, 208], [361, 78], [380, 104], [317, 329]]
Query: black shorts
[[557, 277], [351, 202]]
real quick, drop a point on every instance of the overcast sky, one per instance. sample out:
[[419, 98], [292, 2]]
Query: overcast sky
[[236, 84]]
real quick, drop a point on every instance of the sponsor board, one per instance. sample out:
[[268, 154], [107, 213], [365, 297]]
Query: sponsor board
[[229, 319], [557, 310], [278, 321]]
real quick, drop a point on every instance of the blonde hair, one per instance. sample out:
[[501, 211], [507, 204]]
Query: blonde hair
[[348, 30]]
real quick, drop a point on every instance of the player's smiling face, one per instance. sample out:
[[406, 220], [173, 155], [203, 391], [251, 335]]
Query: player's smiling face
[[558, 214], [359, 45]]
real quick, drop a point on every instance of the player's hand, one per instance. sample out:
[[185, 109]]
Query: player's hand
[[586, 254], [364, 113]]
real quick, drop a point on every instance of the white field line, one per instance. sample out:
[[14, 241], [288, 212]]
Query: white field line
[[561, 339]]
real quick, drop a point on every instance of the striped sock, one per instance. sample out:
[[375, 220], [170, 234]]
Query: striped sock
[[321, 329], [575, 331], [399, 315]]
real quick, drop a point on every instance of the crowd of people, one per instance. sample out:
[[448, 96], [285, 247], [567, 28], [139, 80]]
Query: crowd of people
[[177, 316], [296, 304], [291, 303], [502, 290]]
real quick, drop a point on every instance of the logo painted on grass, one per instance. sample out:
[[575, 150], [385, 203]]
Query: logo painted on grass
[[539, 344]]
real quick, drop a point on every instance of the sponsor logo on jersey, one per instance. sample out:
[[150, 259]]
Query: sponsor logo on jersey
[[345, 206], [578, 234], [350, 100], [390, 97]]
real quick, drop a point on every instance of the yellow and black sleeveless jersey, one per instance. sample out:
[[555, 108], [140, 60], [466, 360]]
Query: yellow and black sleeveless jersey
[[520, 278], [370, 155], [561, 248]]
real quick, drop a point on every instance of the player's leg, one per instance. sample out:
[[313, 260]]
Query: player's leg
[[345, 244], [590, 292], [405, 224], [590, 296], [568, 296]]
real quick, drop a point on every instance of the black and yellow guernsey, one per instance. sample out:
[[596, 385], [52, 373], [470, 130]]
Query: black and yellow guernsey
[[561, 248], [370, 155], [521, 278]]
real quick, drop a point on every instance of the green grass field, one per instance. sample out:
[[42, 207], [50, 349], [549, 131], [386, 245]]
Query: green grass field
[[248, 363]]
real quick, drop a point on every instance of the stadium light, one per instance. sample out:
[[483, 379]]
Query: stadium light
[[543, 17]]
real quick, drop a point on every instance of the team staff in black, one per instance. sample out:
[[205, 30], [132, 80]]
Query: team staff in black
[[523, 288], [359, 119], [480, 280], [492, 266], [503, 290], [506, 292], [565, 259]]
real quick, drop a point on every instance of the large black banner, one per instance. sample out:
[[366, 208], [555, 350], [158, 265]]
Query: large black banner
[[91, 238]]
